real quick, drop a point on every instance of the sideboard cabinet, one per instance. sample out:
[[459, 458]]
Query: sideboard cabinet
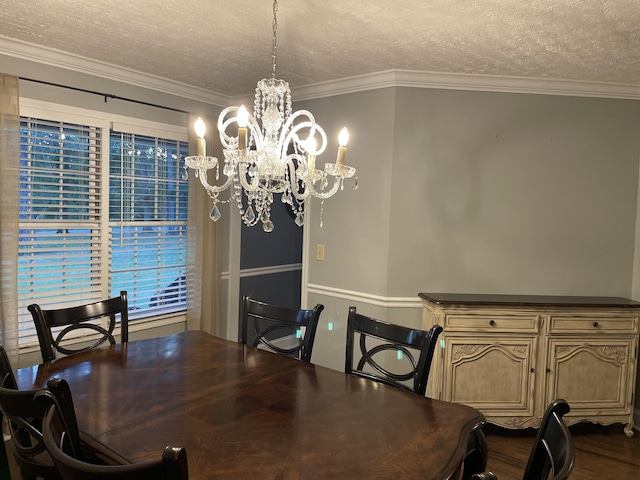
[[509, 356]]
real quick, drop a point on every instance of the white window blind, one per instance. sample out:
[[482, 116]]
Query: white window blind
[[148, 222], [59, 259], [97, 220]]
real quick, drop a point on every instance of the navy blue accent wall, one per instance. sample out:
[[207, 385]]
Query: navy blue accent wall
[[283, 246]]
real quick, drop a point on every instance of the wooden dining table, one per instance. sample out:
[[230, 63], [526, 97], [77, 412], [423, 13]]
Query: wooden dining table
[[244, 413]]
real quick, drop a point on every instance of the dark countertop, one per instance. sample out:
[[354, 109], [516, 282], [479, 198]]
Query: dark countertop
[[452, 299]]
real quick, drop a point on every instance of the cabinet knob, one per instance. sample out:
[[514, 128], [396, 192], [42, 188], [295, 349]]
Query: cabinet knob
[[492, 323], [533, 370], [548, 370], [595, 324]]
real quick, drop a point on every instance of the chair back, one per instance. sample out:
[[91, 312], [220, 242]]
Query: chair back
[[61, 438], [553, 455], [270, 323], [79, 317], [553, 450], [24, 420], [389, 337]]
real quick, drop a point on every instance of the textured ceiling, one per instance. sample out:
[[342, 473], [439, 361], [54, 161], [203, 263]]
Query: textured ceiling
[[225, 47]]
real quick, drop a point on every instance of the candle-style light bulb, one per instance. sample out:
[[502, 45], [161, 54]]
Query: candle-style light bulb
[[312, 148], [243, 120], [343, 139], [201, 128]]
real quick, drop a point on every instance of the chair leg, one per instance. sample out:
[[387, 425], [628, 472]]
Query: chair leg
[[475, 461]]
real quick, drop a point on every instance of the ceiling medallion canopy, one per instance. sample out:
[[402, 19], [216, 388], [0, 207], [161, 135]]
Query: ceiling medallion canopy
[[270, 152]]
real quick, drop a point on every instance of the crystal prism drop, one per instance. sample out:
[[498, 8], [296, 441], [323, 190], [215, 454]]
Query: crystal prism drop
[[299, 219], [355, 183], [215, 214], [268, 226], [185, 174], [249, 215]]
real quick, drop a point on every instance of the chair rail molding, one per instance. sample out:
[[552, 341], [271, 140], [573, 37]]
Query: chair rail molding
[[361, 297]]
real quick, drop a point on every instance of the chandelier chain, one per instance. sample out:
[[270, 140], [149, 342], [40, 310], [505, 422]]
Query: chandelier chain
[[275, 44]]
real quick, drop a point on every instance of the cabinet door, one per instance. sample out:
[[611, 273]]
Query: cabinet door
[[592, 374], [493, 374]]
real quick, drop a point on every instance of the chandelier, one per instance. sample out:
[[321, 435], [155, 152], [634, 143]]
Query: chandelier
[[270, 152]]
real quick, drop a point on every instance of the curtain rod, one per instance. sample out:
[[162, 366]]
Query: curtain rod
[[105, 95]]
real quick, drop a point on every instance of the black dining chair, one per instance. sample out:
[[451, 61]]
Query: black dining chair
[[80, 317], [62, 440], [553, 454], [376, 336], [270, 324], [24, 421]]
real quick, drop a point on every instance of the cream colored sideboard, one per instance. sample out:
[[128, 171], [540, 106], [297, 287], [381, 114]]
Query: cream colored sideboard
[[509, 356]]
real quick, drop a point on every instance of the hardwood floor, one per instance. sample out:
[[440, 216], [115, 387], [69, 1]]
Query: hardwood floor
[[602, 452]]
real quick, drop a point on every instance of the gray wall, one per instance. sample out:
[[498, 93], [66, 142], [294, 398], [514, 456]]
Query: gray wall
[[508, 193], [481, 192]]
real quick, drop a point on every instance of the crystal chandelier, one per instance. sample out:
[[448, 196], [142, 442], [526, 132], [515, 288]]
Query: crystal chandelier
[[270, 152]]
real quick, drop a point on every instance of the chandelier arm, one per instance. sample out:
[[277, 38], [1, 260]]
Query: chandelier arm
[[242, 176], [227, 141], [256, 185], [293, 178], [321, 193], [202, 174], [289, 133], [231, 141]]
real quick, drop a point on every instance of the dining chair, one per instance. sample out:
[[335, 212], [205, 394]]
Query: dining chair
[[62, 440], [384, 337], [79, 317], [24, 422], [553, 455], [282, 330]]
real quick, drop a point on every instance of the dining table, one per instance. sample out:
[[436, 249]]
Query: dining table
[[241, 412]]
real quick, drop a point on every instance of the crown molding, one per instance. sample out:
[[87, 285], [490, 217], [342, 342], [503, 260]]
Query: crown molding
[[360, 83], [461, 81], [76, 63]]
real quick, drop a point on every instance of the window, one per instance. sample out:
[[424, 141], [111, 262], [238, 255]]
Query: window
[[148, 222], [94, 221]]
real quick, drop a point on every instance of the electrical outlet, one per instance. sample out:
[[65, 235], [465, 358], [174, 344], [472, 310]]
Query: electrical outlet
[[320, 253]]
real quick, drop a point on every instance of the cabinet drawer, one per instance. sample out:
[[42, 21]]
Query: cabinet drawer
[[593, 324], [491, 323]]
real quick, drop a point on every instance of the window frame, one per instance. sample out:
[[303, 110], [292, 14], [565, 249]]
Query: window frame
[[106, 122]]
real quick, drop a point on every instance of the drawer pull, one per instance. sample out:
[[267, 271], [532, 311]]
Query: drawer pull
[[595, 324], [492, 323]]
